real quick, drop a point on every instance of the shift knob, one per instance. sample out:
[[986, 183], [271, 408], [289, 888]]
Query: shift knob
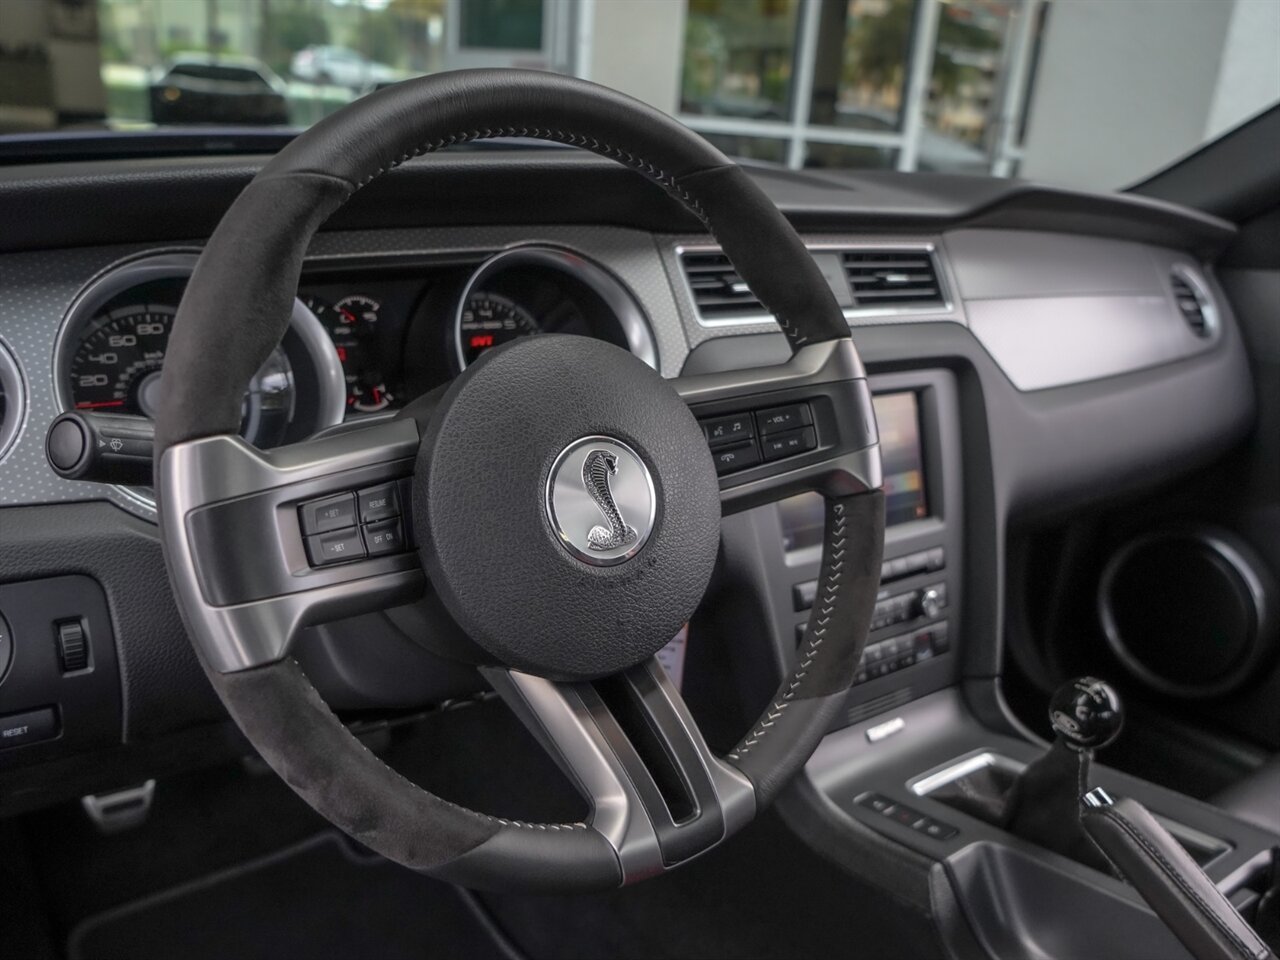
[[1086, 713]]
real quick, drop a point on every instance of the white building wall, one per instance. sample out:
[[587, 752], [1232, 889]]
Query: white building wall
[[1123, 87], [1249, 78], [636, 46]]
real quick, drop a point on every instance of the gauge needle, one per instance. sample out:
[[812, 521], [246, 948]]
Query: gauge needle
[[87, 405], [347, 316]]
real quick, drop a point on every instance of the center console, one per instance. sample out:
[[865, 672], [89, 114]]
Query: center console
[[909, 761], [914, 637]]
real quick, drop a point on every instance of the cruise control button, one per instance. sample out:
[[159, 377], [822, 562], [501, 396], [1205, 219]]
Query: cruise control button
[[788, 444], [331, 513], [335, 547], [724, 430], [378, 503], [19, 728], [780, 419], [736, 458], [383, 537]]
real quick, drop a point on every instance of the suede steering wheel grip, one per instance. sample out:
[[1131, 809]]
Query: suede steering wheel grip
[[262, 239], [257, 250]]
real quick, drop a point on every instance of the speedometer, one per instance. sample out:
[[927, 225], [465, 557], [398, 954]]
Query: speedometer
[[116, 368], [117, 364], [489, 319]]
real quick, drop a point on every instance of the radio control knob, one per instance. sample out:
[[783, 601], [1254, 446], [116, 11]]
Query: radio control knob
[[930, 603]]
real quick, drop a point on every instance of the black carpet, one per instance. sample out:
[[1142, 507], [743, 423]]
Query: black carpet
[[317, 899]]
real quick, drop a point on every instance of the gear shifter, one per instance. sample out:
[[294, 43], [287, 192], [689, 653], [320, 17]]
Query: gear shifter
[[1044, 805], [1086, 714], [1052, 804]]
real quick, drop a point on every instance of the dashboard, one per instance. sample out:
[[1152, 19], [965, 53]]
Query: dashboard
[[1001, 336], [363, 338]]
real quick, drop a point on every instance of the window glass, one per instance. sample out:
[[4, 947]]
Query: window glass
[[501, 24], [219, 72], [769, 149], [860, 63], [847, 156], [738, 58], [1095, 94], [968, 85]]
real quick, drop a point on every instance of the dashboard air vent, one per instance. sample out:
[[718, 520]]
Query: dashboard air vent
[[1192, 304], [718, 291], [892, 278]]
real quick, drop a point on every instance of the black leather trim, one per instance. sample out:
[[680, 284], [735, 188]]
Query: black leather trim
[[1172, 883], [808, 700], [1256, 798]]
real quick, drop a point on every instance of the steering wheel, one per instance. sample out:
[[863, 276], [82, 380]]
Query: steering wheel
[[562, 496]]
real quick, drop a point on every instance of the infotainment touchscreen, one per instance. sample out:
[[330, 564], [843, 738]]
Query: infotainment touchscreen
[[898, 417]]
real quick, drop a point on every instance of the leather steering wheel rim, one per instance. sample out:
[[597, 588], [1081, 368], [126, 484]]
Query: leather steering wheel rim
[[258, 249]]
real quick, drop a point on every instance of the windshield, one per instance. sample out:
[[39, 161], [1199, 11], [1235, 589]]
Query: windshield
[[1091, 93]]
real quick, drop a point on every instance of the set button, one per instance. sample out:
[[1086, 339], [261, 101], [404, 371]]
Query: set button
[[337, 546], [354, 525], [331, 513]]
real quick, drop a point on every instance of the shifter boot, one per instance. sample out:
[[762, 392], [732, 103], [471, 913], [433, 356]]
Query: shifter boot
[[1044, 805]]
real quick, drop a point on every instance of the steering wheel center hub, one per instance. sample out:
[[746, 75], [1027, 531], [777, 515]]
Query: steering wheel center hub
[[567, 507], [601, 501]]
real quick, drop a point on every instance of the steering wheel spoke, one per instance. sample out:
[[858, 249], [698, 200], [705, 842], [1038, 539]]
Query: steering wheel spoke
[[807, 424], [630, 747], [272, 541]]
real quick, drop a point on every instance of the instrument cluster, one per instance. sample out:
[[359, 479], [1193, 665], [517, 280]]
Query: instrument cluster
[[365, 338]]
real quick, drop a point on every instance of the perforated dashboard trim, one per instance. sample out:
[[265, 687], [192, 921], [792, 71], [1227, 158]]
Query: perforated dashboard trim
[[36, 289]]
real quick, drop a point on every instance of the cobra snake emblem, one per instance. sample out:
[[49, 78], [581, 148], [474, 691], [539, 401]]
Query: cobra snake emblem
[[596, 471]]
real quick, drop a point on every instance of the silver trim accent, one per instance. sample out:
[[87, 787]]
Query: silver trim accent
[[564, 728], [1208, 306], [568, 734], [1097, 798], [945, 305], [882, 731], [630, 317], [14, 391], [120, 810], [573, 510], [953, 770], [202, 472], [827, 362], [179, 264]]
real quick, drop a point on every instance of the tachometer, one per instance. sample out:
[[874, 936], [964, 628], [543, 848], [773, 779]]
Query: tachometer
[[489, 319]]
